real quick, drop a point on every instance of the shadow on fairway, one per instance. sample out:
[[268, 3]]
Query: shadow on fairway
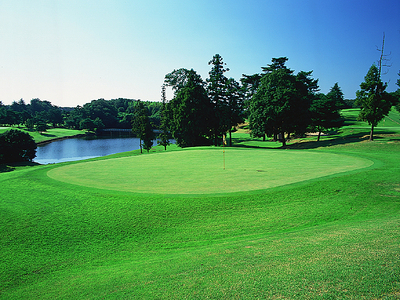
[[334, 141], [12, 166], [48, 134]]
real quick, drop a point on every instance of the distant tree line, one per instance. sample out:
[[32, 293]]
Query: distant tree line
[[97, 114]]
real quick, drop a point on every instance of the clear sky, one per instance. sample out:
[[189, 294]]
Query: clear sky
[[70, 52]]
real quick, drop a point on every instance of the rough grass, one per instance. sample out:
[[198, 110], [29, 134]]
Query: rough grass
[[332, 237]]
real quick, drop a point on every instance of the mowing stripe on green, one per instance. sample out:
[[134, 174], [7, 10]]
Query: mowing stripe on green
[[200, 171]]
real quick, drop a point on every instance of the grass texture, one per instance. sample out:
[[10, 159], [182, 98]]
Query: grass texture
[[201, 171], [49, 134], [324, 237]]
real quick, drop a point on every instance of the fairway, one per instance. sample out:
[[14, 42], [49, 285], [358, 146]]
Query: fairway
[[201, 171]]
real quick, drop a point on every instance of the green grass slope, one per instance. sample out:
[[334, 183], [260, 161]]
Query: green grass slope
[[329, 237], [49, 134]]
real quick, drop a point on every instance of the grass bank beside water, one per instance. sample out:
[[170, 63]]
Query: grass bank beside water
[[334, 236], [49, 134]]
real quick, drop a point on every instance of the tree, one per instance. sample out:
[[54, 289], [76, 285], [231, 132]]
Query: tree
[[88, 124], [190, 113], [374, 101], [397, 95], [336, 95], [325, 114], [177, 79], [250, 84], [282, 101], [142, 127], [235, 100], [217, 92], [16, 145], [164, 135]]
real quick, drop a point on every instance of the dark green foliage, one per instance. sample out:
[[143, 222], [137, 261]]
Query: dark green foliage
[[374, 101], [190, 113], [336, 96], [15, 146], [235, 106], [142, 128], [250, 84], [41, 126], [102, 109], [164, 136], [325, 114], [397, 95], [218, 94], [282, 101], [177, 79]]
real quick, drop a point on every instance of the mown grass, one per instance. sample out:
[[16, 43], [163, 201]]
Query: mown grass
[[206, 170], [49, 134], [333, 237]]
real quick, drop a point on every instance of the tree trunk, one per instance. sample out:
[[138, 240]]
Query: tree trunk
[[283, 140], [264, 137], [371, 135], [230, 138], [319, 135]]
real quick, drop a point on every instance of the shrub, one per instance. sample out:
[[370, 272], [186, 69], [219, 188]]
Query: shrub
[[15, 146]]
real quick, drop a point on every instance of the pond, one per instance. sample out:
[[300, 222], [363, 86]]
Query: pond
[[83, 148]]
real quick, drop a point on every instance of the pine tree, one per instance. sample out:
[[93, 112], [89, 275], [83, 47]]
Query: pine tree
[[374, 101]]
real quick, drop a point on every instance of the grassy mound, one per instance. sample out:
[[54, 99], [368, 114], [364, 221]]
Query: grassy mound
[[202, 171]]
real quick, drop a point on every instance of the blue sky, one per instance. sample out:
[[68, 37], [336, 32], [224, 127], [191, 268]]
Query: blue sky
[[72, 52]]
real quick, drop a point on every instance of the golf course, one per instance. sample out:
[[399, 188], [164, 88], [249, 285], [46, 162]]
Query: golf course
[[315, 220]]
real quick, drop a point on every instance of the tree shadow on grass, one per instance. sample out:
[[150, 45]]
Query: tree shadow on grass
[[307, 143], [47, 134], [9, 167]]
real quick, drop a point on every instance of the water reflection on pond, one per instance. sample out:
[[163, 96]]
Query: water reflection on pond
[[84, 148]]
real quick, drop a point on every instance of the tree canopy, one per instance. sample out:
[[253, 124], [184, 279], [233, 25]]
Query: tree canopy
[[142, 127], [190, 113], [16, 146], [282, 101], [374, 101]]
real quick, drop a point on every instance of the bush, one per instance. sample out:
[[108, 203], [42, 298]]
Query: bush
[[15, 146]]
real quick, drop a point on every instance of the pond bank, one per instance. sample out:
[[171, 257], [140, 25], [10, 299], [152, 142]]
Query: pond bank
[[64, 138]]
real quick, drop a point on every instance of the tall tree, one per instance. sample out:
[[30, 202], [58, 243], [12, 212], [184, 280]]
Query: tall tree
[[142, 127], [164, 135], [250, 84], [374, 101], [217, 92], [190, 113], [235, 100], [177, 79], [397, 95], [336, 95], [324, 114], [281, 103]]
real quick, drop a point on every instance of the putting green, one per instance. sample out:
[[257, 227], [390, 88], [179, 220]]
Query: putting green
[[200, 171]]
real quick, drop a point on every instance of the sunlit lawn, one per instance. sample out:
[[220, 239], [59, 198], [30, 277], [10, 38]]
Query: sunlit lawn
[[49, 134]]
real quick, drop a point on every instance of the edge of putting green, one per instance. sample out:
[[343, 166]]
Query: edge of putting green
[[201, 170]]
